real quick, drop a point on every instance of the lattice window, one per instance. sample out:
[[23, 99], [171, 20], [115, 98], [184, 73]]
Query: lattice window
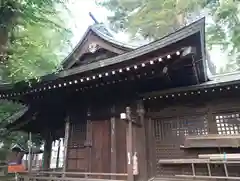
[[228, 124], [78, 134], [197, 125], [189, 125], [181, 128]]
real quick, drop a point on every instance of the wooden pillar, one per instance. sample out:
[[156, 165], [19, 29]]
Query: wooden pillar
[[89, 140], [67, 127], [129, 145], [212, 125], [29, 152], [152, 148], [47, 151], [113, 144], [141, 145]]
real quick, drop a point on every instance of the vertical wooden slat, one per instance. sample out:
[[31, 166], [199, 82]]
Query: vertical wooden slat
[[101, 147], [67, 126], [47, 151], [212, 126], [141, 143], [113, 144], [152, 145], [30, 152], [89, 140], [121, 147], [129, 137]]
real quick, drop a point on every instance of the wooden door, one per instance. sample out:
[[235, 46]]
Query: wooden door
[[101, 145], [78, 153]]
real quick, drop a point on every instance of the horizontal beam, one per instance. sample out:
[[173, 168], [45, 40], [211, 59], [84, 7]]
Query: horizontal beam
[[195, 161], [78, 173], [208, 177], [65, 179]]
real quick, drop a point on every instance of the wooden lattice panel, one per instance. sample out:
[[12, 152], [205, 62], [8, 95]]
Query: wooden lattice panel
[[78, 134], [170, 134], [228, 123], [180, 127], [78, 154]]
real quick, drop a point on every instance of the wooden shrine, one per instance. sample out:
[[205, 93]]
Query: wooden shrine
[[132, 113]]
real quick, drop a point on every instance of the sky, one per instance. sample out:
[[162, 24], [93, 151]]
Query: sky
[[81, 20]]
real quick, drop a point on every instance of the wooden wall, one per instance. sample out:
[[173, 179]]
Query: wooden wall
[[121, 146], [172, 121], [90, 146], [100, 150]]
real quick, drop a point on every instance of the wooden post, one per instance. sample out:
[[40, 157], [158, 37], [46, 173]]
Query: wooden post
[[212, 125], [67, 127], [30, 152], [151, 151], [141, 143], [89, 139], [47, 151], [113, 144], [129, 145]]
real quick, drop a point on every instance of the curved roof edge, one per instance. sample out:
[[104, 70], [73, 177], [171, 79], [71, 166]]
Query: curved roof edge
[[102, 32], [187, 31], [195, 27]]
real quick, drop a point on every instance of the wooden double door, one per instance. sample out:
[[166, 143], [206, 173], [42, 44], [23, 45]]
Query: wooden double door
[[89, 147]]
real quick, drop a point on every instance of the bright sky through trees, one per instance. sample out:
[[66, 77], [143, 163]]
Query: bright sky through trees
[[82, 21]]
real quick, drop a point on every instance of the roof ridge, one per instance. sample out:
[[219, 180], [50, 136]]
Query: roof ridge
[[111, 38]]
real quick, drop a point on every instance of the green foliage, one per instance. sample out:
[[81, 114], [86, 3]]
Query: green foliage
[[37, 38], [225, 31], [8, 138], [153, 19], [33, 41]]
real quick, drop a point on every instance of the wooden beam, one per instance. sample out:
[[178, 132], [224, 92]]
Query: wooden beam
[[67, 127], [113, 145]]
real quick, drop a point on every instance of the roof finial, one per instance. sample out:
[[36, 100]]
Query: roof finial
[[93, 18]]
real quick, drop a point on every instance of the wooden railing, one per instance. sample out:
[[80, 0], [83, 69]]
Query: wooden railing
[[67, 176], [193, 162]]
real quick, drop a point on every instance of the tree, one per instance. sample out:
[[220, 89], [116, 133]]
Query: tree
[[35, 38], [33, 41], [153, 19]]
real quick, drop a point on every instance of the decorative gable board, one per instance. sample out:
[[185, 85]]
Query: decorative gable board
[[99, 54], [93, 44]]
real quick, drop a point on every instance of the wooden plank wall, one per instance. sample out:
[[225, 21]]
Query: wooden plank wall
[[100, 154], [121, 146], [173, 121]]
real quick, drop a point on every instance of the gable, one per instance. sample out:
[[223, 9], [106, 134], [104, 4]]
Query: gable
[[94, 46], [89, 57]]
